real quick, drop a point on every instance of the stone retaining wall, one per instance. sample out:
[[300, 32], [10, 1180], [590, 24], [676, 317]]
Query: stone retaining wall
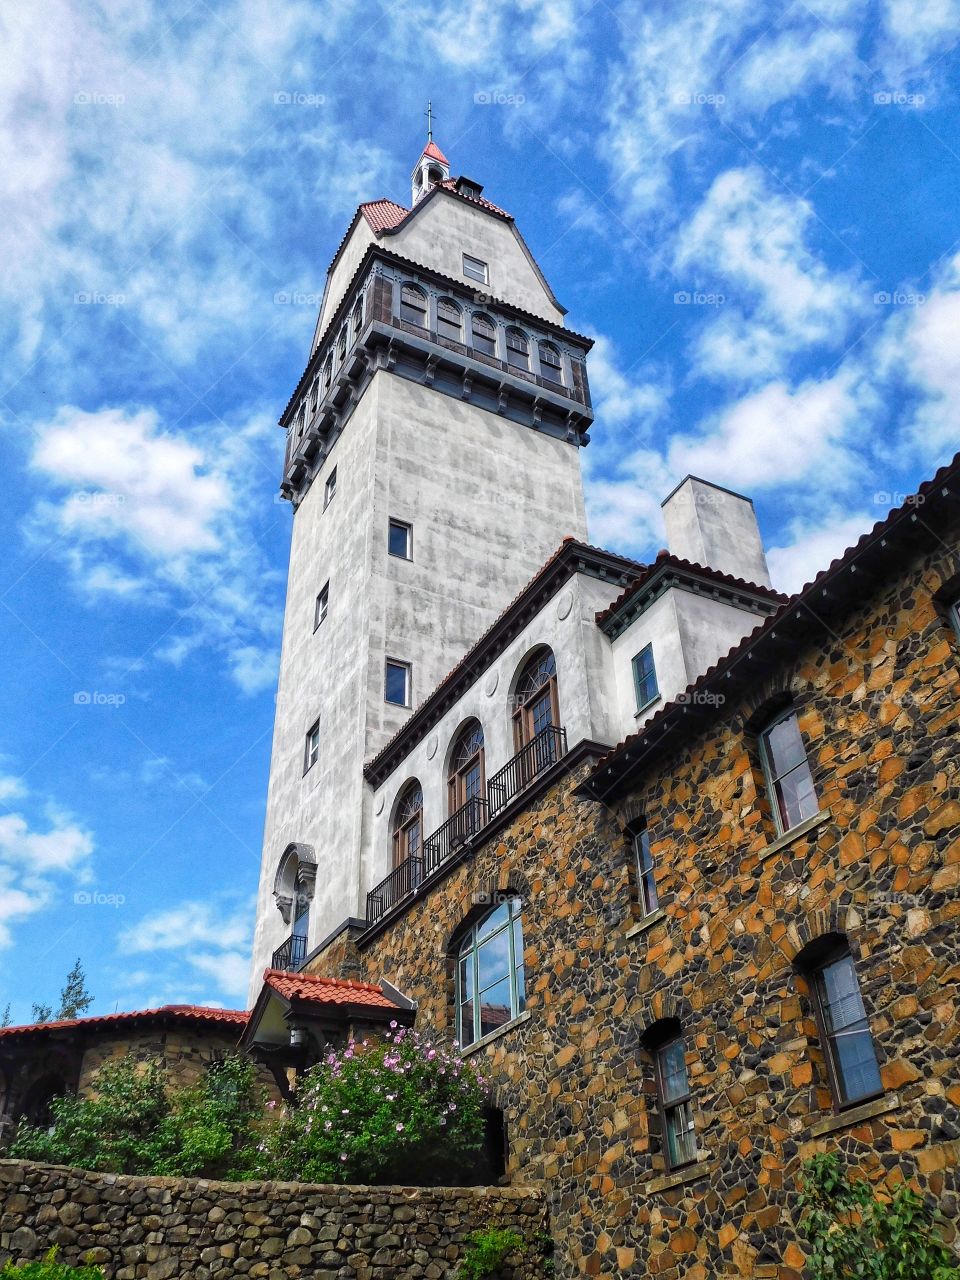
[[191, 1229]]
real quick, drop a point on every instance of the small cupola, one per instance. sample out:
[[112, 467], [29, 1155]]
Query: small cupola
[[432, 167]]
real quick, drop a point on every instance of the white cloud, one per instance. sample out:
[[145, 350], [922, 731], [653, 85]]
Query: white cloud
[[748, 243], [792, 62], [211, 937], [813, 546], [11, 788], [166, 517], [618, 397], [230, 970]]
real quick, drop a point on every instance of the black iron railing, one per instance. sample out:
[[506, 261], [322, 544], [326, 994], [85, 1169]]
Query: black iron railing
[[457, 831], [529, 762], [402, 880], [291, 954]]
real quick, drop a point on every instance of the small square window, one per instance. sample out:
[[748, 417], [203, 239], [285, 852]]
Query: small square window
[[396, 686], [330, 488], [645, 678], [323, 599], [475, 269], [399, 540], [312, 748]]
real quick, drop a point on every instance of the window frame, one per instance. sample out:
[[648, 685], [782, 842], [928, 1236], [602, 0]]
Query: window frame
[[666, 1109], [646, 877], [549, 346], [424, 321], [401, 827], [518, 335], [470, 947], [408, 531], [481, 319], [448, 304], [785, 713], [458, 771], [478, 277], [524, 730], [642, 705], [407, 669], [322, 607], [330, 488], [812, 972], [311, 747]]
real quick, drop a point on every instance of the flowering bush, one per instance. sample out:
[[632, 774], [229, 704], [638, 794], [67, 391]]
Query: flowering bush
[[403, 1109]]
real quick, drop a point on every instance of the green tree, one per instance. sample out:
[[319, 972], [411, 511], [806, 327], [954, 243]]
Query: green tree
[[49, 1269], [42, 1012], [5, 1020], [857, 1236], [75, 999]]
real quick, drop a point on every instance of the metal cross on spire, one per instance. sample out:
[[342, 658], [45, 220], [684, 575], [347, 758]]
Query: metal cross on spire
[[429, 114]]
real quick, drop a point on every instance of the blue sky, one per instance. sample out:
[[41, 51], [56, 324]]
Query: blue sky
[[752, 208]]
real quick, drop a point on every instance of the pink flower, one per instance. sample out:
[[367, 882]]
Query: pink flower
[[399, 1128]]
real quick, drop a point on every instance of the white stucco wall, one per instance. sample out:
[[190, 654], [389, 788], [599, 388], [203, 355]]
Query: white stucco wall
[[361, 237]]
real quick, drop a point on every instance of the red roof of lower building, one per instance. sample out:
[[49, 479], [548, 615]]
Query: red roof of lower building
[[185, 1013], [311, 988]]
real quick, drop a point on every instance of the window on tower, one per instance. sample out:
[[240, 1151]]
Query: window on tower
[[449, 320], [396, 684], [357, 318], [551, 365], [323, 600], [342, 345], [311, 750], [475, 269], [645, 678], [327, 372], [518, 349], [330, 488], [413, 306], [484, 335], [399, 540]]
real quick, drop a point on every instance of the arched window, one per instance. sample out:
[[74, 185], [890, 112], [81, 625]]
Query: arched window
[[301, 419], [449, 320], [357, 320], [408, 824], [465, 780], [293, 890], [35, 1106], [327, 373], [535, 709], [843, 1028], [314, 394], [518, 349], [490, 979], [793, 796], [483, 334], [551, 365], [342, 345], [413, 305]]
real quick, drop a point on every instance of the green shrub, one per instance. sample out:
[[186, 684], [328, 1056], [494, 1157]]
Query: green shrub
[[400, 1110], [50, 1269], [856, 1236], [136, 1124], [487, 1251]]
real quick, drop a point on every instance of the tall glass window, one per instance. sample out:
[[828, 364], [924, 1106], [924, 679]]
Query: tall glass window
[[676, 1108], [490, 978], [848, 1042], [793, 796]]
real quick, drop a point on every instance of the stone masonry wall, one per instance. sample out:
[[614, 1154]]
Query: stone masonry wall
[[189, 1229], [878, 699]]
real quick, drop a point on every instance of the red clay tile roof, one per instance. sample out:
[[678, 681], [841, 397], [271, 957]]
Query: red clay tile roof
[[382, 214], [188, 1013], [666, 560], [687, 710], [434, 152], [311, 988]]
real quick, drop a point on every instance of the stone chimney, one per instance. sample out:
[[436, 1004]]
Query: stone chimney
[[717, 528]]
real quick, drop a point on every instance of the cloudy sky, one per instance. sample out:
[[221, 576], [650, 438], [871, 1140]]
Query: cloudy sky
[[752, 207]]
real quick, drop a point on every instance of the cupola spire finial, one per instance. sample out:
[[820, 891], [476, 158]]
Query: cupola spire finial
[[429, 114]]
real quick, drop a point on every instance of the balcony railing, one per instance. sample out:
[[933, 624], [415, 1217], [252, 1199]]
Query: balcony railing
[[291, 954], [455, 832], [403, 879], [529, 762]]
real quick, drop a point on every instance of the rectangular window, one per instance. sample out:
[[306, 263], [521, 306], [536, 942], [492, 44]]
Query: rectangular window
[[330, 488], [475, 269], [676, 1111], [312, 747], [396, 685], [848, 1043], [646, 878], [645, 678], [322, 601], [399, 540], [793, 796], [955, 617]]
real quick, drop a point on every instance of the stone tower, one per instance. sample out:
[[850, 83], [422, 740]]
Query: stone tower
[[432, 464]]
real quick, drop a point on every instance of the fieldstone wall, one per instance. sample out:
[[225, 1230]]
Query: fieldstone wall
[[878, 698], [190, 1229]]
